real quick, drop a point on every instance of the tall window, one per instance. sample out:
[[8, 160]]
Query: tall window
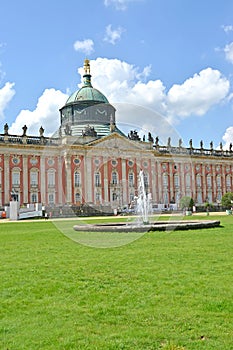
[[131, 179], [146, 179], [198, 180], [97, 179], [188, 180], [51, 177], [165, 180], [34, 178], [176, 180], [77, 179], [228, 180], [15, 178], [219, 182], [208, 181], [114, 178]]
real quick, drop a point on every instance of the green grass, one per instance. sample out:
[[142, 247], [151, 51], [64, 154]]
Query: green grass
[[167, 290]]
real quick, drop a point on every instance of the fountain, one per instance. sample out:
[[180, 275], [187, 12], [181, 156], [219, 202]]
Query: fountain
[[144, 209], [143, 200]]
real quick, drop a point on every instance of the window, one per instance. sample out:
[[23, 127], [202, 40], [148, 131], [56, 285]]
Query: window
[[228, 181], [208, 181], [176, 180], [51, 198], [114, 196], [114, 178], [188, 180], [34, 198], [97, 179], [165, 180], [77, 197], [146, 179], [51, 178], [34, 178], [131, 179], [219, 182], [198, 180], [15, 178], [77, 179], [131, 197], [97, 197]]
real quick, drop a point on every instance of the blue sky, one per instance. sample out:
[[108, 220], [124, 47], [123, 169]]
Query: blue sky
[[174, 57]]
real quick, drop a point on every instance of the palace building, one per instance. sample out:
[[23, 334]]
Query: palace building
[[89, 161]]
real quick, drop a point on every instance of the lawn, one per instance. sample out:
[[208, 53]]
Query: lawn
[[164, 288]]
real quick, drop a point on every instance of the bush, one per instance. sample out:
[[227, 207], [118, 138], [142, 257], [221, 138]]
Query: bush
[[186, 203], [227, 200]]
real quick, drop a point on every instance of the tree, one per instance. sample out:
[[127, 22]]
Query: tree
[[227, 200], [186, 203]]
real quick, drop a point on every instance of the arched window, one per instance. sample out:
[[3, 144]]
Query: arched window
[[131, 179], [114, 178], [97, 179], [77, 179]]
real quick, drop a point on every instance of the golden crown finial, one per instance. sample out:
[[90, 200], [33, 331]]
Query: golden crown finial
[[86, 66]]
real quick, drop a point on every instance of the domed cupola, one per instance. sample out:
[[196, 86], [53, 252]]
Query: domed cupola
[[87, 108]]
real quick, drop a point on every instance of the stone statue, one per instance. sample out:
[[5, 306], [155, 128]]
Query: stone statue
[[24, 130], [191, 143], [68, 130], [220, 146], [41, 131], [6, 128], [180, 142], [201, 144], [156, 141], [211, 145], [230, 147], [169, 142], [89, 131], [150, 138]]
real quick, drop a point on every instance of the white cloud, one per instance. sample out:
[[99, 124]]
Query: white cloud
[[228, 137], [46, 114], [227, 28], [112, 35], [197, 94], [119, 4], [228, 49], [6, 94], [86, 46]]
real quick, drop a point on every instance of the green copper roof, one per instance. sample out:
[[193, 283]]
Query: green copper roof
[[87, 93]]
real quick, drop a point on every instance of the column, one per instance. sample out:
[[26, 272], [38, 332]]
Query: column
[[88, 180], [42, 180], [124, 182], [25, 179], [6, 179], [68, 179], [153, 180], [106, 199], [60, 187]]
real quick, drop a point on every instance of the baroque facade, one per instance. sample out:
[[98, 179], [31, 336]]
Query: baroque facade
[[89, 161]]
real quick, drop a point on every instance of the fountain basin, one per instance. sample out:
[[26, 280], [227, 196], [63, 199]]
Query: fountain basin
[[158, 226]]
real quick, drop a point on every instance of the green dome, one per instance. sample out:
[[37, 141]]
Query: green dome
[[87, 93]]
